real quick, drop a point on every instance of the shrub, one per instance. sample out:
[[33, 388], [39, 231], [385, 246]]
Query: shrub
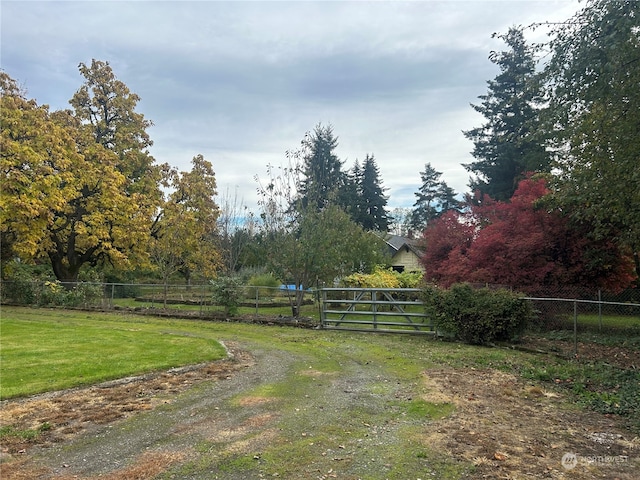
[[410, 279], [21, 283], [477, 316], [269, 283], [53, 293], [19, 289], [85, 294], [380, 278], [227, 293]]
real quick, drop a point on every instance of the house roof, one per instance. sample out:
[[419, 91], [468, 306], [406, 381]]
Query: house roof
[[397, 243]]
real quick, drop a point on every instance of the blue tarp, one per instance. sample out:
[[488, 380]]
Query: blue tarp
[[291, 287]]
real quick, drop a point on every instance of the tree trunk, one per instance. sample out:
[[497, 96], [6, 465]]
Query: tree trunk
[[66, 272], [299, 299]]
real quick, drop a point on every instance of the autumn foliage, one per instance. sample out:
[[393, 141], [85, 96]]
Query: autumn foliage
[[383, 278], [520, 244]]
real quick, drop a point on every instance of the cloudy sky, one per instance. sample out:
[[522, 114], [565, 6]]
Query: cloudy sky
[[241, 82]]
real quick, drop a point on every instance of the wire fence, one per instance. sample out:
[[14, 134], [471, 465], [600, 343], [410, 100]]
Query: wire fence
[[567, 309], [141, 296], [575, 309], [586, 316]]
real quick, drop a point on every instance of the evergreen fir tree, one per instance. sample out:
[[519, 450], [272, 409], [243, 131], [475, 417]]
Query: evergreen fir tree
[[351, 195], [507, 145], [323, 177], [373, 202], [434, 197]]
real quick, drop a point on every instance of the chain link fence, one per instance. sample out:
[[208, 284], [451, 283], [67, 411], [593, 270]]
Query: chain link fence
[[569, 309], [595, 310], [562, 308], [140, 296]]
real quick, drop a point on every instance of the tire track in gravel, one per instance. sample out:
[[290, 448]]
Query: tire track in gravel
[[335, 425], [170, 429]]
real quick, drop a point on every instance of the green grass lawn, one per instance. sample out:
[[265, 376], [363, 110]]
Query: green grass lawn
[[50, 349], [628, 325], [609, 321]]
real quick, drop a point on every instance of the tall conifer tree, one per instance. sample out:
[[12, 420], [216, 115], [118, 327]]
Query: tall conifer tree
[[373, 202], [433, 198], [322, 169], [508, 145]]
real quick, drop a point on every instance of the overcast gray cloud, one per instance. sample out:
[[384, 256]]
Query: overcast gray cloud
[[241, 82]]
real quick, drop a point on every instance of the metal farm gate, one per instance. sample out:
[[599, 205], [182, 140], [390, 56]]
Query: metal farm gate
[[382, 310]]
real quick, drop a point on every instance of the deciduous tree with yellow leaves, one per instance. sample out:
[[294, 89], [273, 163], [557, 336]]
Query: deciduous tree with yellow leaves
[[183, 236], [79, 187]]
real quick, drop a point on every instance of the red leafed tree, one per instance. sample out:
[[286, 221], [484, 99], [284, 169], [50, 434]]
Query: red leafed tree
[[446, 242], [518, 244]]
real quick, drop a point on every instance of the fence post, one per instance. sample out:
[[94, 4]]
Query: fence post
[[600, 309], [202, 301], [323, 303], [575, 328], [375, 309], [317, 299], [257, 299]]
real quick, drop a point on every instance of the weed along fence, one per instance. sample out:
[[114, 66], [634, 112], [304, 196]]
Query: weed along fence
[[383, 310]]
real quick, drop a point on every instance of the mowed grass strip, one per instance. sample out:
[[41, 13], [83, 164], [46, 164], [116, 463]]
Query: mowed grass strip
[[615, 322], [46, 350]]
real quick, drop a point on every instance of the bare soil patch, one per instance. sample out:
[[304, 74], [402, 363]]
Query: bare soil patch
[[510, 429]]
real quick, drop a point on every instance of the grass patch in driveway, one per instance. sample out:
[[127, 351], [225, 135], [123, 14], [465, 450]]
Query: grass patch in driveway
[[424, 409]]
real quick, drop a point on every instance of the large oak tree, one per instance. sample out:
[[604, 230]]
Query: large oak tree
[[79, 186], [183, 236], [36, 156]]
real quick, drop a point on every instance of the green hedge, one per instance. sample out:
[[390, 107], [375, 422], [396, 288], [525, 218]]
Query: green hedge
[[477, 316]]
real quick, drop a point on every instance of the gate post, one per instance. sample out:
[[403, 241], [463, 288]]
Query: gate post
[[375, 309], [323, 303]]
